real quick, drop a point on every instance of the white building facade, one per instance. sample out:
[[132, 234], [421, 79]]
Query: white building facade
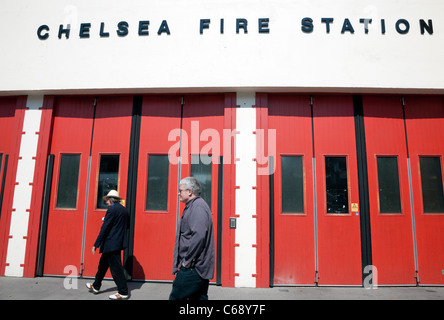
[[322, 122]]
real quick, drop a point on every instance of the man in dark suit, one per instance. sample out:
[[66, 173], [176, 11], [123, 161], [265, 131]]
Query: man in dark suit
[[112, 240]]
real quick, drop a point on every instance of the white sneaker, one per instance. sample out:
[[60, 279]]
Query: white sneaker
[[91, 288], [118, 296]]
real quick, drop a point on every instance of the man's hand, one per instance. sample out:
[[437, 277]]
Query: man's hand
[[93, 250]]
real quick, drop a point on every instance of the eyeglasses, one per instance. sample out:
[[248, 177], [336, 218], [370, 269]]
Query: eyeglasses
[[180, 190]]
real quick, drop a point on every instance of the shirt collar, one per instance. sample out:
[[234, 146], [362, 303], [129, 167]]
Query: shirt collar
[[189, 202]]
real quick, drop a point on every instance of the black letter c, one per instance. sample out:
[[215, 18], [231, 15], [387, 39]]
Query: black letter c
[[39, 32]]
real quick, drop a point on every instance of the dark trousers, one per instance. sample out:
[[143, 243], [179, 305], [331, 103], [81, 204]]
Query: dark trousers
[[112, 261], [189, 285]]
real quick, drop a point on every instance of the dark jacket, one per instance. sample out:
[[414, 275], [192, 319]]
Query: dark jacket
[[112, 236], [194, 243]]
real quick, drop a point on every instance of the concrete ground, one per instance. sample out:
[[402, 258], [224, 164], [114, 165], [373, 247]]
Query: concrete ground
[[53, 288], [56, 297]]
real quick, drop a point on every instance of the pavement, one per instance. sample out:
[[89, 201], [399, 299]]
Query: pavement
[[57, 297], [59, 288]]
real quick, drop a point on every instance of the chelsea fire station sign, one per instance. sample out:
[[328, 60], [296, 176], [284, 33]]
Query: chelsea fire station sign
[[260, 25]]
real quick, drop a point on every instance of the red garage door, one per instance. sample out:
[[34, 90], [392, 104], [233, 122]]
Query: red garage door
[[156, 204], [161, 141], [90, 148], [339, 242], [109, 167], [7, 112], [425, 136], [70, 145], [203, 120], [8, 151], [90, 143], [294, 230], [388, 182], [321, 235]]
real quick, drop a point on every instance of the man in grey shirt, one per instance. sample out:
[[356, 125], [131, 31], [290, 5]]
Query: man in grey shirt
[[193, 261]]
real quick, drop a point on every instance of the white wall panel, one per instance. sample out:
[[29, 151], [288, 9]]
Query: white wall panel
[[18, 231], [285, 59], [245, 234]]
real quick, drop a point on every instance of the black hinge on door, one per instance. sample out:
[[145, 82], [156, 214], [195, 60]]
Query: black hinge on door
[[316, 279], [271, 220], [2, 190], [220, 220]]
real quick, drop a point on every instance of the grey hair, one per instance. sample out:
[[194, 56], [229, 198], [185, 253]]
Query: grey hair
[[192, 184], [113, 200]]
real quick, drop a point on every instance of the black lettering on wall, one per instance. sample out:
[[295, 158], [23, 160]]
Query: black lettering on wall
[[327, 22], [122, 28], [347, 26], [103, 34], [39, 32], [164, 28], [406, 26], [143, 28], [307, 25], [366, 22], [84, 30], [263, 25], [64, 31], [241, 24], [204, 24], [426, 26]]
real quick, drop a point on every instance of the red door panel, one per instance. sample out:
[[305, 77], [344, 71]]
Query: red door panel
[[7, 112], [391, 232], [72, 136], [339, 242], [155, 230], [203, 121], [294, 237], [112, 129], [425, 134], [73, 119], [7, 120]]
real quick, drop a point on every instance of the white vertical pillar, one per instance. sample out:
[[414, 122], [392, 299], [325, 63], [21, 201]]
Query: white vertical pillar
[[15, 258], [245, 234]]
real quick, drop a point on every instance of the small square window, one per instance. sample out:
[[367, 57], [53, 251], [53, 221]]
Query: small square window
[[68, 181], [388, 184], [292, 184], [157, 183], [202, 172], [336, 184], [108, 177], [432, 186]]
